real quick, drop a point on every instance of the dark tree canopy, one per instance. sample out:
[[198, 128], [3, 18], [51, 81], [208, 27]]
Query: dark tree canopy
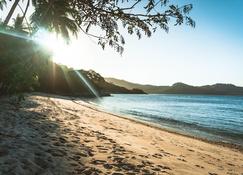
[[139, 17]]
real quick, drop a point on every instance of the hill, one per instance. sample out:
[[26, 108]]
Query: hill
[[106, 87], [27, 66], [67, 81], [181, 88], [216, 89], [151, 89]]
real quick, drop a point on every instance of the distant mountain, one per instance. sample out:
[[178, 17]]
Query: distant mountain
[[151, 89], [181, 88], [216, 89]]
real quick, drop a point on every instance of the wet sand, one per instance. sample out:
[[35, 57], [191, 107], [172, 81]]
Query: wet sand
[[55, 135]]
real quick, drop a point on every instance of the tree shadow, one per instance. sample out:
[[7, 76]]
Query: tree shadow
[[32, 141]]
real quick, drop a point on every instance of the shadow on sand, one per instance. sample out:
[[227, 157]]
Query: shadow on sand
[[32, 142], [38, 137]]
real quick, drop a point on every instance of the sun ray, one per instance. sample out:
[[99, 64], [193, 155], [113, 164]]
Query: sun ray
[[62, 52], [89, 86]]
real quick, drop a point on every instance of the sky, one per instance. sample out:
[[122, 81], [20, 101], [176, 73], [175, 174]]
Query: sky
[[208, 54]]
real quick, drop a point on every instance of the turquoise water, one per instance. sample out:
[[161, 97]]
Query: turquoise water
[[217, 118]]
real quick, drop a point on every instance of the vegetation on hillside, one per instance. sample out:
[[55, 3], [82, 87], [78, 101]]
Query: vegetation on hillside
[[28, 68], [22, 60]]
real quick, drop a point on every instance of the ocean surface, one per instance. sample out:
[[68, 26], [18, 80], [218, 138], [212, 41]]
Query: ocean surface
[[216, 118]]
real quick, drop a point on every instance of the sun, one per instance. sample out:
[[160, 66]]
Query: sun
[[62, 52], [82, 52]]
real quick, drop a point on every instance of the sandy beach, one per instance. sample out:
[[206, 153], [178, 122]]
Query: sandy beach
[[56, 135]]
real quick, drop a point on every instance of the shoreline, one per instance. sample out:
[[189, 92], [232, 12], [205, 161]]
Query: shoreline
[[49, 134], [153, 125], [95, 107]]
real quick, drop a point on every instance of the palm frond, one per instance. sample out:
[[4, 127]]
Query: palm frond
[[3, 3], [54, 16]]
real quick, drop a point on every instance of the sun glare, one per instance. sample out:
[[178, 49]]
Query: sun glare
[[63, 53]]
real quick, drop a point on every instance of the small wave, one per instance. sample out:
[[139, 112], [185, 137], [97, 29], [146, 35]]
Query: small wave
[[185, 125], [217, 118], [231, 109]]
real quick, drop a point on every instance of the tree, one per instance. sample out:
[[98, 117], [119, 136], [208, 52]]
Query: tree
[[12, 9], [110, 15], [136, 16], [54, 15], [21, 18], [2, 4], [10, 13], [20, 61]]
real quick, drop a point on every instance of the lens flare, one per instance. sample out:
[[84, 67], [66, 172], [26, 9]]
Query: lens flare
[[62, 53], [90, 87]]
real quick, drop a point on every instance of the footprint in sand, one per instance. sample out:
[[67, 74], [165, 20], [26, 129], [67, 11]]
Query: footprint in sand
[[107, 166], [199, 166], [75, 157], [103, 150], [57, 153], [3, 152], [212, 173], [41, 162], [91, 171], [157, 155], [230, 164], [156, 169], [84, 153], [146, 162], [181, 159], [97, 162], [190, 150], [117, 173], [164, 167]]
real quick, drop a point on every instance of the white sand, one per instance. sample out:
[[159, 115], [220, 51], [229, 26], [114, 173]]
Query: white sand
[[58, 136]]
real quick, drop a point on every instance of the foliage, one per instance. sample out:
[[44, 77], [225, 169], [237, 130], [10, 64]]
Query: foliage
[[18, 25], [2, 4], [19, 66], [54, 15], [107, 17], [110, 15]]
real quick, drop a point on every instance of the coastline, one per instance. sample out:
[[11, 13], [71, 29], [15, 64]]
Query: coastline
[[153, 125], [49, 134]]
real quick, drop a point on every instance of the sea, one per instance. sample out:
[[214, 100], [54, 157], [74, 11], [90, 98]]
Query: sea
[[215, 118]]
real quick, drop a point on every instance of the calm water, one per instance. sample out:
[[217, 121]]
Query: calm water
[[218, 118]]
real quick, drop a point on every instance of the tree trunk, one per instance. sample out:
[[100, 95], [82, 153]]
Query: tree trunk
[[10, 13], [26, 9]]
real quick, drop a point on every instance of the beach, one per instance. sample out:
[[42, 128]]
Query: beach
[[47, 134]]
